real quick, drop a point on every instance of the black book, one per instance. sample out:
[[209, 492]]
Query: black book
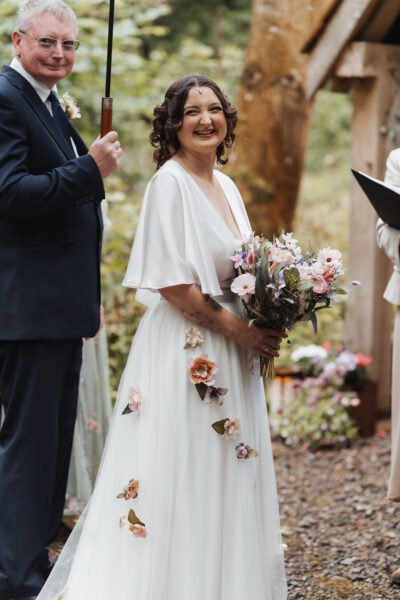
[[384, 198]]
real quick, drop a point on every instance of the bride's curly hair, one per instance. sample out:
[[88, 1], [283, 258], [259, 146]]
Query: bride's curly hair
[[168, 118]]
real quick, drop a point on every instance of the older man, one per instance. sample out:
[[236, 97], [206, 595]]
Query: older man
[[50, 244]]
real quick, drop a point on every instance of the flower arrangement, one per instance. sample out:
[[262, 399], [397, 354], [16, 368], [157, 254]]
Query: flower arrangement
[[316, 416], [281, 284], [349, 367]]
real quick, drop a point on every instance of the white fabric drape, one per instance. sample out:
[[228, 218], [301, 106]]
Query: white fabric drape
[[212, 519]]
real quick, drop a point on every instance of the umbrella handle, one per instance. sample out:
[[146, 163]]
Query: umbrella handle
[[106, 116]]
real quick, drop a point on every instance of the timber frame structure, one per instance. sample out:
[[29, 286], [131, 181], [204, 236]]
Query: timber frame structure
[[357, 47]]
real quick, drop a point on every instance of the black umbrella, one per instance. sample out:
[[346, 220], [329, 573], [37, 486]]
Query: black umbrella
[[107, 101]]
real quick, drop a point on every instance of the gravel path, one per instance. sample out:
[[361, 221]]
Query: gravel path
[[342, 534]]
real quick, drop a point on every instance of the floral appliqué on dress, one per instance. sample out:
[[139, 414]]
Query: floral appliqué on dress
[[134, 401], [194, 338]]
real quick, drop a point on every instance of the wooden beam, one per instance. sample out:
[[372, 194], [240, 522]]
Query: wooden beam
[[347, 20], [368, 316], [378, 26], [319, 26], [366, 59]]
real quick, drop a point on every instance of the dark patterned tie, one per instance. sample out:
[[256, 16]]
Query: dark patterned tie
[[59, 116]]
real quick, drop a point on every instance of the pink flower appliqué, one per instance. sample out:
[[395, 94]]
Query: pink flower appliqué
[[138, 530], [232, 428], [194, 338], [245, 451], [134, 401]]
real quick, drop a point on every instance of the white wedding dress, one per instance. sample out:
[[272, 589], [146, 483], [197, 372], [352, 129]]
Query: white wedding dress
[[208, 522]]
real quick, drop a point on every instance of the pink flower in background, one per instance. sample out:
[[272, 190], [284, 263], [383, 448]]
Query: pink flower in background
[[134, 399], [362, 360], [320, 286], [244, 285], [356, 401], [93, 425], [346, 361]]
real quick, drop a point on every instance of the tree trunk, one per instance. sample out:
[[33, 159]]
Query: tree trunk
[[274, 115]]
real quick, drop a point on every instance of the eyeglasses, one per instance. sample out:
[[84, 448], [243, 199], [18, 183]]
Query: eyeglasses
[[51, 43]]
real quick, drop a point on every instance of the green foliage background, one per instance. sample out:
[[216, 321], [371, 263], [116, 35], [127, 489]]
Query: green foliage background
[[156, 42]]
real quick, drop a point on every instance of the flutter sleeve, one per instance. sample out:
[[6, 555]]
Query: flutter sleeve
[[163, 253]]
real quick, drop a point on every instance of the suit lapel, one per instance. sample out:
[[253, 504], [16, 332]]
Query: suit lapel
[[44, 115], [40, 110]]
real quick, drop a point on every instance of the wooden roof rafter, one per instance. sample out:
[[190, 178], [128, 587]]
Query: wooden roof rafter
[[349, 18]]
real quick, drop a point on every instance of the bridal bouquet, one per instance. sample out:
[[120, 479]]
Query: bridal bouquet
[[280, 284]]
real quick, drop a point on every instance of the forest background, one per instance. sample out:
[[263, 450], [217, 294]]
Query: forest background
[[155, 43]]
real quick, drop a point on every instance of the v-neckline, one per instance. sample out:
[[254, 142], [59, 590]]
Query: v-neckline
[[211, 204]]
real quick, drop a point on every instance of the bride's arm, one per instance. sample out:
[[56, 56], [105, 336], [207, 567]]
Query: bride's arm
[[205, 310]]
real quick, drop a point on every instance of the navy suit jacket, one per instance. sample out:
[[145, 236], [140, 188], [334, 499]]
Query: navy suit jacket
[[50, 222]]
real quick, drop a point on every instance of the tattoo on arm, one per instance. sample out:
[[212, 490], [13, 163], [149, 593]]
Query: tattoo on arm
[[213, 303]]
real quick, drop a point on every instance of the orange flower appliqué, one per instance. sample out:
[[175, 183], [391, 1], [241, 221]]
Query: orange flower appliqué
[[202, 370]]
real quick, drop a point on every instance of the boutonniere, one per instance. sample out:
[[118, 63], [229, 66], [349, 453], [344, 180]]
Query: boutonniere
[[69, 106]]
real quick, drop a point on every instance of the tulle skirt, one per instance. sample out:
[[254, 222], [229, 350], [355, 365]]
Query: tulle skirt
[[207, 523]]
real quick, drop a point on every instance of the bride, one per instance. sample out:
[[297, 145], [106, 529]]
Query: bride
[[185, 504]]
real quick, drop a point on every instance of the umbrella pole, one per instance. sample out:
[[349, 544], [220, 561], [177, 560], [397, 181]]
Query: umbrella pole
[[107, 101]]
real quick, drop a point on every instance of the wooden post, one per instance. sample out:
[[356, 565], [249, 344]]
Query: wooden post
[[373, 68]]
